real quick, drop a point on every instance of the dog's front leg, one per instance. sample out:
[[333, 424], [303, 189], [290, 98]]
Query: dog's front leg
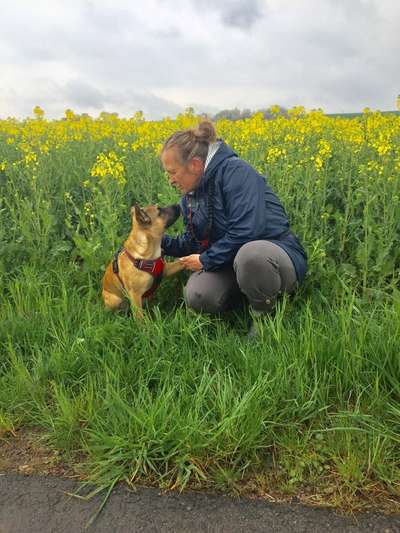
[[137, 302], [111, 300], [172, 268]]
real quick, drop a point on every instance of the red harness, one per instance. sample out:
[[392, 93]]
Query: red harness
[[155, 267]]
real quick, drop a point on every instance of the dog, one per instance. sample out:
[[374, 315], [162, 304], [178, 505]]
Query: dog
[[138, 267]]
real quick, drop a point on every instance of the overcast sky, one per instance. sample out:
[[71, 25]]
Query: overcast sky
[[160, 56]]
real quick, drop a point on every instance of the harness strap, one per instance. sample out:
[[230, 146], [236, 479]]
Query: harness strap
[[115, 266], [155, 267]]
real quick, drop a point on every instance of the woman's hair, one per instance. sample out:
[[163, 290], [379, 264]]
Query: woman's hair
[[193, 142]]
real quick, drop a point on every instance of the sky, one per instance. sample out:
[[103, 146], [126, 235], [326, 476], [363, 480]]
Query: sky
[[162, 56]]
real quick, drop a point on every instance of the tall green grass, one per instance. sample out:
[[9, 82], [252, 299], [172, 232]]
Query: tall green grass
[[183, 397]]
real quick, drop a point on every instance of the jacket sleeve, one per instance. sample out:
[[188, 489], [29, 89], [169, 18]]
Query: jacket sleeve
[[180, 245], [244, 200]]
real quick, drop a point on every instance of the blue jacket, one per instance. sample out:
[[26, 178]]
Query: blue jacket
[[244, 209]]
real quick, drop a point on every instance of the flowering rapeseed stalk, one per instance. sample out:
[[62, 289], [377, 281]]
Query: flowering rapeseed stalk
[[109, 166]]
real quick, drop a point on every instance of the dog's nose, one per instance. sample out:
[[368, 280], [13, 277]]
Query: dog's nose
[[170, 214]]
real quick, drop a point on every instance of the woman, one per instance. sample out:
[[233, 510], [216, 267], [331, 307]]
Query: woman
[[237, 239]]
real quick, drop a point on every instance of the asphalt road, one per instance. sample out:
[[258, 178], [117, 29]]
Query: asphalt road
[[32, 504]]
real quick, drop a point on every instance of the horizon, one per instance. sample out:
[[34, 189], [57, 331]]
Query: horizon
[[196, 113]]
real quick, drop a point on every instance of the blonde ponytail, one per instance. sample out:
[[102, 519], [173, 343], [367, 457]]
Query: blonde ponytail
[[193, 142]]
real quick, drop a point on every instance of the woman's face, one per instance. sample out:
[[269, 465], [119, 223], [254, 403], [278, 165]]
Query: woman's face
[[185, 177]]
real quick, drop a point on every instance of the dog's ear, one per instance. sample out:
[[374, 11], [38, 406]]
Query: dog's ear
[[141, 216]]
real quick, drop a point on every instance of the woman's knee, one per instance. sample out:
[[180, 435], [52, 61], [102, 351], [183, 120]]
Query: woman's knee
[[202, 302], [263, 272], [253, 266], [210, 293]]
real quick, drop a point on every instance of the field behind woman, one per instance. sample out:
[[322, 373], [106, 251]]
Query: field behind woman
[[180, 399]]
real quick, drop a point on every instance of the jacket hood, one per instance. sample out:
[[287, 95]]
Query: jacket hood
[[223, 152]]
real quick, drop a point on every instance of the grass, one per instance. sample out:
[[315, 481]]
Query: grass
[[182, 398]]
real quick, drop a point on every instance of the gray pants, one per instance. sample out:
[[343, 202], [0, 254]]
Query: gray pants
[[262, 271]]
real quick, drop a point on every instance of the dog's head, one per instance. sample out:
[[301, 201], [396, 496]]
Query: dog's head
[[153, 216]]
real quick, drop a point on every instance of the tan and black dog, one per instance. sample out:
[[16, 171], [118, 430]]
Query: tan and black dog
[[138, 267]]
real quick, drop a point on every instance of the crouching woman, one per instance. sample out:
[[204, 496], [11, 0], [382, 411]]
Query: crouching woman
[[237, 238]]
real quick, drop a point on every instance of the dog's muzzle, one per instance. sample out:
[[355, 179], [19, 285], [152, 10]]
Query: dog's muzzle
[[170, 214]]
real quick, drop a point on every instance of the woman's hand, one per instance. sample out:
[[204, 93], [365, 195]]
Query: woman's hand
[[192, 262]]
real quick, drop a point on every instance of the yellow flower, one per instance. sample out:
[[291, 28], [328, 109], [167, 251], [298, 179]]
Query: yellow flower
[[109, 166], [69, 114], [38, 112], [275, 109]]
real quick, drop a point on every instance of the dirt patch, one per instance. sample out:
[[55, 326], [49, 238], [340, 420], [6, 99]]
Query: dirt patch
[[24, 451]]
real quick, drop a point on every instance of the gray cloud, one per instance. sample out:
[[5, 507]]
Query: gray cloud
[[83, 95], [236, 13], [163, 56]]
